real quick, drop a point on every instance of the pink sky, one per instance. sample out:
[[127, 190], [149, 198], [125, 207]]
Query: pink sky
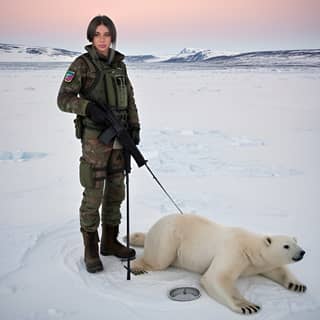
[[167, 25]]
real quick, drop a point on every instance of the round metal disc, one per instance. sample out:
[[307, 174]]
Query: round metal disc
[[184, 294]]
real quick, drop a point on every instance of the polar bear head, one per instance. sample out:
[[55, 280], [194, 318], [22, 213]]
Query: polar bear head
[[281, 250]]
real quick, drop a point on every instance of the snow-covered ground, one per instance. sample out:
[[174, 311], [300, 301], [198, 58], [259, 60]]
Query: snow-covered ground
[[239, 146]]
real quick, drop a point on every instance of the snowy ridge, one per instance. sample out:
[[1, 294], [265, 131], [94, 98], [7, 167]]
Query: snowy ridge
[[197, 55], [142, 58], [309, 58], [277, 58], [12, 52]]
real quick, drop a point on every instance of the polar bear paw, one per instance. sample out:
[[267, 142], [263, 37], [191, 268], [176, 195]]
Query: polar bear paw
[[137, 271], [248, 308], [297, 287], [138, 267]]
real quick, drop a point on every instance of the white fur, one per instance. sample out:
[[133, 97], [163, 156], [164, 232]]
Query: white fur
[[220, 254]]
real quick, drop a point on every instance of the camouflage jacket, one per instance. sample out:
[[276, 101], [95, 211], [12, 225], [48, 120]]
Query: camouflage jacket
[[80, 77]]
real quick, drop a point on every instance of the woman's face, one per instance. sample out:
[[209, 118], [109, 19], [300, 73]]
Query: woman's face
[[102, 39]]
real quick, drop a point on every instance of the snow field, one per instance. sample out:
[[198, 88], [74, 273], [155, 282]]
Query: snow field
[[237, 146]]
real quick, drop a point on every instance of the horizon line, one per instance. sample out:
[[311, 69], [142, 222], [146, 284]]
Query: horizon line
[[177, 52]]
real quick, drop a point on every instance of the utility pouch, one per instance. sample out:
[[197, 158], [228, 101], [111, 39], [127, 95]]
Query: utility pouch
[[86, 174], [115, 83], [120, 83], [79, 127]]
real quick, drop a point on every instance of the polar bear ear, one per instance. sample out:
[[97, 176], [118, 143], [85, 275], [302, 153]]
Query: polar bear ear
[[267, 241]]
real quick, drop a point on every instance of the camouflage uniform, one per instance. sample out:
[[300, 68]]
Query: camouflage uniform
[[92, 78]]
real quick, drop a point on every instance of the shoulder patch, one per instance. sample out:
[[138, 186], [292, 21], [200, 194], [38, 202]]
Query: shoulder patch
[[69, 76]]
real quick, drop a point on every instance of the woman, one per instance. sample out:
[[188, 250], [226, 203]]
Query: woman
[[97, 78]]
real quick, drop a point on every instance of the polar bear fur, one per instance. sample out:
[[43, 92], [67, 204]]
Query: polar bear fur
[[220, 254]]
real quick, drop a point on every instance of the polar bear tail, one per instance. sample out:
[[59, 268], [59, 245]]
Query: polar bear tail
[[137, 239]]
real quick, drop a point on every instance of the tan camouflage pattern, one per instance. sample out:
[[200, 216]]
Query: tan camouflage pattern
[[107, 166], [69, 96], [101, 166]]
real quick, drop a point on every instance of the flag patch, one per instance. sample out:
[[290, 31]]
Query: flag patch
[[69, 76]]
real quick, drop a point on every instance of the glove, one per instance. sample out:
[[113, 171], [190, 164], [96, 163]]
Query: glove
[[135, 135], [97, 114]]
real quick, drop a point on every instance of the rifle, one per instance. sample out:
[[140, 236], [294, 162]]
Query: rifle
[[117, 130]]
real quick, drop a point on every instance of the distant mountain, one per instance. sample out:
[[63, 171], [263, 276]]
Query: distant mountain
[[283, 58], [279, 58], [11, 52], [196, 55], [259, 58], [142, 58]]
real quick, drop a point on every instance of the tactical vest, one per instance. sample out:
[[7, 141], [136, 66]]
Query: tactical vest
[[109, 88]]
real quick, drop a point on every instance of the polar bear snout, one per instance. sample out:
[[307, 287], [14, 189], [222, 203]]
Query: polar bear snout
[[299, 256]]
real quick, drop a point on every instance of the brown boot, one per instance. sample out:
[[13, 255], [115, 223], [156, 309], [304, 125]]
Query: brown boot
[[91, 251], [111, 246]]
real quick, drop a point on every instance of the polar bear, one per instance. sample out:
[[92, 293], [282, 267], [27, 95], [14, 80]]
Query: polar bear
[[220, 254]]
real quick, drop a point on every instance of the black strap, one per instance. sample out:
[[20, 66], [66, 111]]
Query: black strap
[[99, 168], [99, 178]]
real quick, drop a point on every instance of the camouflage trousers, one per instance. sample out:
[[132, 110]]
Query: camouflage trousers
[[102, 176]]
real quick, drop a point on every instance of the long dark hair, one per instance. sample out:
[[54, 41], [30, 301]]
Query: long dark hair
[[97, 21]]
